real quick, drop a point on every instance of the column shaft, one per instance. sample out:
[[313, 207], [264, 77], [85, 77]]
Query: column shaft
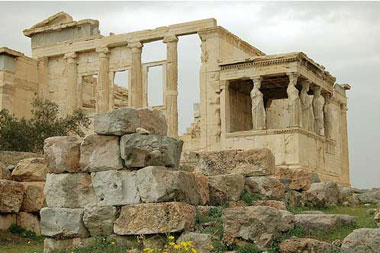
[[135, 91], [71, 82], [171, 92], [102, 91]]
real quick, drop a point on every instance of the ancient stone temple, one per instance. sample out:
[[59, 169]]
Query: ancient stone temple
[[287, 103]]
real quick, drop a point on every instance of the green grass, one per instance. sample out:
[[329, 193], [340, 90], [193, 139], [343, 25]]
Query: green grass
[[101, 245], [249, 198], [17, 240]]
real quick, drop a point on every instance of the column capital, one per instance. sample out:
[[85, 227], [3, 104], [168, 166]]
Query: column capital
[[257, 79], [170, 38], [70, 57], [136, 46], [103, 52]]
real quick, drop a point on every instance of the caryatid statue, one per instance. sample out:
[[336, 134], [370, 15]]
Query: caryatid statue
[[294, 101], [318, 107], [328, 118], [258, 109], [307, 107]]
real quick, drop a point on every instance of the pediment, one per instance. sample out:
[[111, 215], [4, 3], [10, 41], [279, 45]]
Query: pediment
[[56, 19]]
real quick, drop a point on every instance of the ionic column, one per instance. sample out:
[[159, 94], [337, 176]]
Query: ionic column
[[258, 109], [135, 90], [294, 102], [102, 89], [171, 92], [345, 173], [71, 82]]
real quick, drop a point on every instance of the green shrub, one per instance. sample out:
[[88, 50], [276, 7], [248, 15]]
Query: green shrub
[[14, 229], [28, 135], [249, 198]]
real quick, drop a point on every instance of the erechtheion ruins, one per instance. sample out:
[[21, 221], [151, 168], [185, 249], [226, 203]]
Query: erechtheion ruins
[[287, 102]]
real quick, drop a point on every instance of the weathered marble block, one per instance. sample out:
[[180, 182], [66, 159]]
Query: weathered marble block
[[11, 196], [155, 218], [62, 153], [62, 222], [158, 184], [6, 220], [269, 187], [153, 121], [312, 222], [225, 188], [99, 220], [254, 162], [115, 187], [322, 194], [34, 198], [71, 190], [30, 170], [150, 150], [99, 153]]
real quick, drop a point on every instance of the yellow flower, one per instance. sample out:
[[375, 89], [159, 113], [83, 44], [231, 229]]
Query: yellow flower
[[210, 246], [177, 246], [112, 243], [171, 238], [171, 243], [147, 249], [184, 244], [193, 250]]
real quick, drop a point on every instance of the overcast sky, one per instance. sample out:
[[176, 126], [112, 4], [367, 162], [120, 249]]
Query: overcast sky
[[342, 36]]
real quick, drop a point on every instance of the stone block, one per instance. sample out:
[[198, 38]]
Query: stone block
[[115, 187], [29, 222], [71, 190], [322, 194], [252, 223], [99, 153], [34, 198], [269, 187], [11, 196], [295, 245], [202, 242], [99, 220], [117, 122], [223, 188], [6, 220], [62, 223], [150, 150], [363, 240], [4, 172], [254, 162], [62, 154], [312, 222], [30, 170], [155, 218], [280, 205], [52, 245], [153, 121], [158, 184], [299, 179]]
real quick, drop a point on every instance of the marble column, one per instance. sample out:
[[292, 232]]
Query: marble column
[[345, 173], [258, 109], [71, 82], [294, 101], [171, 92], [318, 108], [135, 90], [306, 106], [102, 90]]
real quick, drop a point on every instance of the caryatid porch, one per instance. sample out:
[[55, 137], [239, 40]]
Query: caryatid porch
[[289, 104]]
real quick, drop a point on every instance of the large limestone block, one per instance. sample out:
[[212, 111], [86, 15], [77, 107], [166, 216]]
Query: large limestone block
[[117, 122], [150, 150], [225, 188], [311, 222], [6, 220], [29, 222], [153, 121], [254, 162], [11, 196], [299, 179], [52, 245], [296, 245], [158, 184], [62, 223], [252, 223], [322, 194], [71, 190], [363, 240], [155, 218], [270, 187], [30, 170], [99, 153], [62, 153], [99, 220], [4, 172], [115, 187], [287, 221], [34, 198], [280, 205], [371, 196]]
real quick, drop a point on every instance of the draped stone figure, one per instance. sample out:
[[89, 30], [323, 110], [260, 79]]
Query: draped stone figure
[[294, 102], [318, 107], [307, 108], [328, 119], [258, 109]]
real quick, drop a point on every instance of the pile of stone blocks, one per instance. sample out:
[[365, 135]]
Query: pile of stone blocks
[[122, 181], [22, 194]]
